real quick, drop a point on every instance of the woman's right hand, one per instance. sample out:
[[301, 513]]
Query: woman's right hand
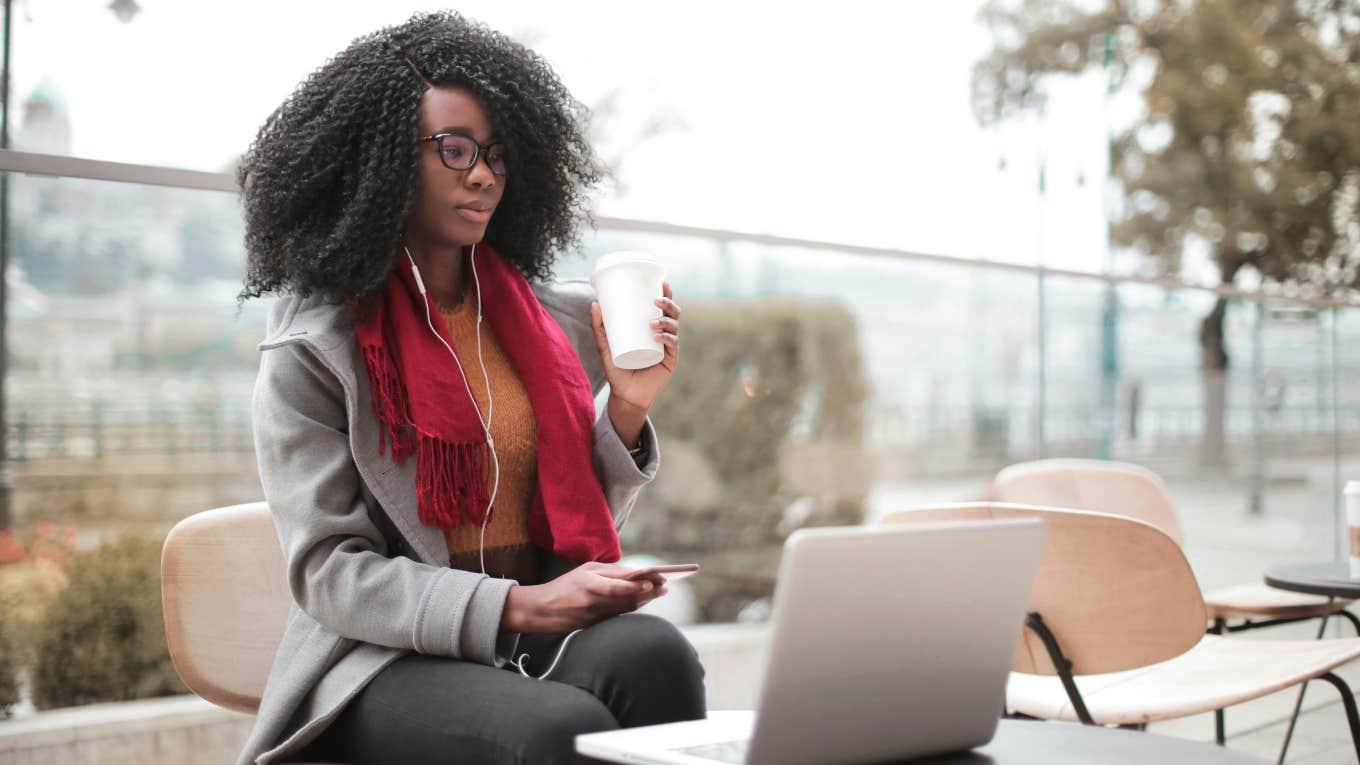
[[587, 594]]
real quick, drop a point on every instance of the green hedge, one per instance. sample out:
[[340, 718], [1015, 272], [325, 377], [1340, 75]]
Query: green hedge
[[103, 637]]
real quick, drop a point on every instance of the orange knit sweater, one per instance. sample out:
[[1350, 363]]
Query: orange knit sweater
[[509, 552]]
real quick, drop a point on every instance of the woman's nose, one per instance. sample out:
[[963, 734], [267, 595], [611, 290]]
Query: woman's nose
[[480, 175]]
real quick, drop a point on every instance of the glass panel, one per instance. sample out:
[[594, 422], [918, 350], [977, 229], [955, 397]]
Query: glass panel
[[1080, 371], [1160, 390], [129, 372], [1346, 344]]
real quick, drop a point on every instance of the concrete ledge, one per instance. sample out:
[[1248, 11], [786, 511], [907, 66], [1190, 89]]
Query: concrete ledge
[[121, 718], [173, 729]]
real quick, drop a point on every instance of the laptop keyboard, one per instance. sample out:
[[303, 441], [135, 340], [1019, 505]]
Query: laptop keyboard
[[723, 751]]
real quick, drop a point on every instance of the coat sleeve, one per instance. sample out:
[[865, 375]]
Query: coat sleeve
[[620, 475], [337, 560]]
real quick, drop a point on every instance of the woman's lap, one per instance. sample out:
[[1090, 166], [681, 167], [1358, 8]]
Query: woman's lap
[[630, 670]]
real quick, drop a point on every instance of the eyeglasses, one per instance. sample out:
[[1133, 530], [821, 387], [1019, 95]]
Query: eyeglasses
[[459, 152]]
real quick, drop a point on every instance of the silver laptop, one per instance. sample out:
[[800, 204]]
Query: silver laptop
[[887, 643]]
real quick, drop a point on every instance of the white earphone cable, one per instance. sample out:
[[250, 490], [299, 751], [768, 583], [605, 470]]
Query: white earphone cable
[[518, 663], [491, 404]]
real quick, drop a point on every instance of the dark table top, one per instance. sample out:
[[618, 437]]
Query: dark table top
[[1331, 578], [1024, 742]]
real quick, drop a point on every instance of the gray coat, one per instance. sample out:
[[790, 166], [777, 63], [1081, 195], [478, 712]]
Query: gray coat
[[370, 582]]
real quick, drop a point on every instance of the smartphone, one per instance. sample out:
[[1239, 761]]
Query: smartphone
[[670, 572]]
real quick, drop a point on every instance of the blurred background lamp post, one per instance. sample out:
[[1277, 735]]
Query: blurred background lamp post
[[6, 481]]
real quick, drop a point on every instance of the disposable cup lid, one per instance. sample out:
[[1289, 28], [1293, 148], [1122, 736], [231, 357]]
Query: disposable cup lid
[[617, 258]]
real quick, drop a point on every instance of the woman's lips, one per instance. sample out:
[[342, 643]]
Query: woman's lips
[[473, 215]]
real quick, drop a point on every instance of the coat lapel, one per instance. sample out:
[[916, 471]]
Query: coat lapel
[[323, 330]]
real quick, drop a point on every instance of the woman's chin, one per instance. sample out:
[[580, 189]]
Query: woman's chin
[[467, 234]]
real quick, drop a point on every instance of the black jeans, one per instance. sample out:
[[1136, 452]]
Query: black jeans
[[630, 670]]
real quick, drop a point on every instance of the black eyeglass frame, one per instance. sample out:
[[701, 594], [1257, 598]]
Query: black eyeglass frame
[[478, 151]]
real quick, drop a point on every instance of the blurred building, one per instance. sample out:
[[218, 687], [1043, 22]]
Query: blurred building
[[45, 125]]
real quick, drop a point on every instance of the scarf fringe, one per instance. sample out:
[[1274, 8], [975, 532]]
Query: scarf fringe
[[389, 402], [450, 481]]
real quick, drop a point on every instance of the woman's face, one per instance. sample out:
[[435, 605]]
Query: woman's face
[[453, 207]]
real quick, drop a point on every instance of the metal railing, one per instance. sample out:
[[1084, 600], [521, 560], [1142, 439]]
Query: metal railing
[[150, 175]]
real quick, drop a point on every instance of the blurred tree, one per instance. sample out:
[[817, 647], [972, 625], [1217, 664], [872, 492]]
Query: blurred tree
[[1249, 146]]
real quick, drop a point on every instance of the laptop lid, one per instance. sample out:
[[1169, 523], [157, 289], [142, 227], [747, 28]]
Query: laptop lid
[[893, 642]]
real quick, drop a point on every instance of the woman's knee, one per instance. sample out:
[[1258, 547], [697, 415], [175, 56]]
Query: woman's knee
[[645, 643], [549, 731], [651, 672]]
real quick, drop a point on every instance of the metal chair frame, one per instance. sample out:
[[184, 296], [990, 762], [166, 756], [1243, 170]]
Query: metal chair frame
[[1035, 623]]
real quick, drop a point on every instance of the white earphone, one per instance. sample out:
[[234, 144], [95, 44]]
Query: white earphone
[[490, 403], [517, 663]]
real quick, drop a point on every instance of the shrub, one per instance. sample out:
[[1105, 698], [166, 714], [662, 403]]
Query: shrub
[[31, 575], [756, 377], [103, 637], [26, 590], [762, 431]]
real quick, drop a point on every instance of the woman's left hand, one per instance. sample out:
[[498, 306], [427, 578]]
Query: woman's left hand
[[639, 387]]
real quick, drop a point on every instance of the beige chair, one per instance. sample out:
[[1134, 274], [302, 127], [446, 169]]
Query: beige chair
[[226, 602], [1124, 489], [1115, 633]]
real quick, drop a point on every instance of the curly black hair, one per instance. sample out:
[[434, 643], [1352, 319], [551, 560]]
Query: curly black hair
[[330, 180]]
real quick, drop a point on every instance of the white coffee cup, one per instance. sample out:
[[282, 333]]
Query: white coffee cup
[[1351, 495], [627, 285]]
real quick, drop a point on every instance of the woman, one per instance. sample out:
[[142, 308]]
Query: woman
[[446, 497]]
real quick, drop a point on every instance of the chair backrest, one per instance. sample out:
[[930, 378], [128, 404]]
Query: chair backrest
[[1118, 488], [1116, 592], [226, 600]]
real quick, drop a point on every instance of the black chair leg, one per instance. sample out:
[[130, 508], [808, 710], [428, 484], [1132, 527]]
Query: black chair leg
[[1350, 617], [1348, 700], [1220, 737], [1298, 704]]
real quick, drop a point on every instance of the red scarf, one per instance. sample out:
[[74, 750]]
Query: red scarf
[[421, 402]]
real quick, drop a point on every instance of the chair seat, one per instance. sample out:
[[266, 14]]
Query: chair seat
[[1259, 601], [1216, 673]]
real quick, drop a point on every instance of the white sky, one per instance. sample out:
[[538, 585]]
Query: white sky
[[881, 90]]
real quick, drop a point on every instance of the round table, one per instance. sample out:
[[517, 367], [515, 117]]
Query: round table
[[1330, 578], [1025, 742]]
